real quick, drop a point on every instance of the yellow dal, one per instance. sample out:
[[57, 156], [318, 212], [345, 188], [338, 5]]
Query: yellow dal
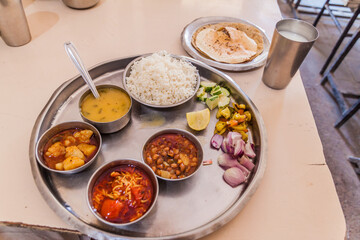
[[111, 105]]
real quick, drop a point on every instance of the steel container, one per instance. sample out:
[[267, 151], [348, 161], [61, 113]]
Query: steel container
[[57, 129], [113, 164], [184, 133], [127, 73], [14, 27], [108, 127], [80, 4], [205, 200], [287, 52]]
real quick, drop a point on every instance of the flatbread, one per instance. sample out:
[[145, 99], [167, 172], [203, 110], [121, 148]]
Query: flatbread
[[214, 41]]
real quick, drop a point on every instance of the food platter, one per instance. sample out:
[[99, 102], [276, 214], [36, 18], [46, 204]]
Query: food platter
[[191, 28], [205, 201]]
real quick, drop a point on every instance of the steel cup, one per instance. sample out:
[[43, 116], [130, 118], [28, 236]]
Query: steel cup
[[80, 4], [107, 127], [14, 27], [291, 42]]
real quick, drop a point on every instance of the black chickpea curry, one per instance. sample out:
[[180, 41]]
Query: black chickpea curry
[[70, 149]]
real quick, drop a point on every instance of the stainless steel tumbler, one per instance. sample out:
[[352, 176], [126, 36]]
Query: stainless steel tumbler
[[80, 4], [291, 42], [14, 27]]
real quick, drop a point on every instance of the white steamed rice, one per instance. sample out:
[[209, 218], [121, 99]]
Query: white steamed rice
[[160, 79]]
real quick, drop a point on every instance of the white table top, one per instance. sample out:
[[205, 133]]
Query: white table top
[[296, 198]]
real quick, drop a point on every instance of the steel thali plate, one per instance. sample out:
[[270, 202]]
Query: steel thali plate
[[191, 28], [187, 209]]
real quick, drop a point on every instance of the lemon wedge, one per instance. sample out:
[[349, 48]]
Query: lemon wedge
[[198, 120]]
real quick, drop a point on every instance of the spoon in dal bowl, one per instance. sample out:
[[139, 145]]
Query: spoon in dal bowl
[[74, 56]]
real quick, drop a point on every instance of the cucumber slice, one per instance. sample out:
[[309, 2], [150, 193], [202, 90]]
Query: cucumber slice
[[212, 102], [223, 101], [202, 97], [225, 92], [216, 90], [207, 85], [200, 92]]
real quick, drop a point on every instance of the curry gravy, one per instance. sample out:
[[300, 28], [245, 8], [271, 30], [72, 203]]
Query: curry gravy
[[111, 105]]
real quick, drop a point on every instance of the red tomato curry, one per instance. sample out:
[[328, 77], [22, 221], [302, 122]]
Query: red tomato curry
[[122, 194]]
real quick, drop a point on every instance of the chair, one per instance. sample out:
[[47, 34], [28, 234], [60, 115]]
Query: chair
[[346, 113], [355, 161], [341, 11], [345, 31]]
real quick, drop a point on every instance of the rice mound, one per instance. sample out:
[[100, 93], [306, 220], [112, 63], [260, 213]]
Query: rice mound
[[160, 79]]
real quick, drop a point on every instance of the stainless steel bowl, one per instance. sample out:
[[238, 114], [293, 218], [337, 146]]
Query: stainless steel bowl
[[114, 164], [108, 127], [80, 4], [184, 133], [127, 72], [55, 130]]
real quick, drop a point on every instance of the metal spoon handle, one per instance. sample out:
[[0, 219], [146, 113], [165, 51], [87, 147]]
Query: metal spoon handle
[[74, 56]]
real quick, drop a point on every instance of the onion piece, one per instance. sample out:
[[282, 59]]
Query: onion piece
[[246, 162], [234, 176], [216, 141], [229, 145], [248, 150], [223, 145], [229, 138], [244, 170], [235, 136], [229, 149], [239, 148], [233, 144], [227, 161]]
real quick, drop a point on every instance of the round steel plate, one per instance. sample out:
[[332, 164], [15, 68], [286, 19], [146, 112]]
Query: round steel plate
[[187, 209], [190, 29]]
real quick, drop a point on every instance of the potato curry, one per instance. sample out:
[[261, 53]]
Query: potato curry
[[70, 149]]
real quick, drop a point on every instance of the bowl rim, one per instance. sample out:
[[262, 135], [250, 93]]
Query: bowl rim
[[189, 136], [88, 91], [128, 70], [39, 156], [112, 164]]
